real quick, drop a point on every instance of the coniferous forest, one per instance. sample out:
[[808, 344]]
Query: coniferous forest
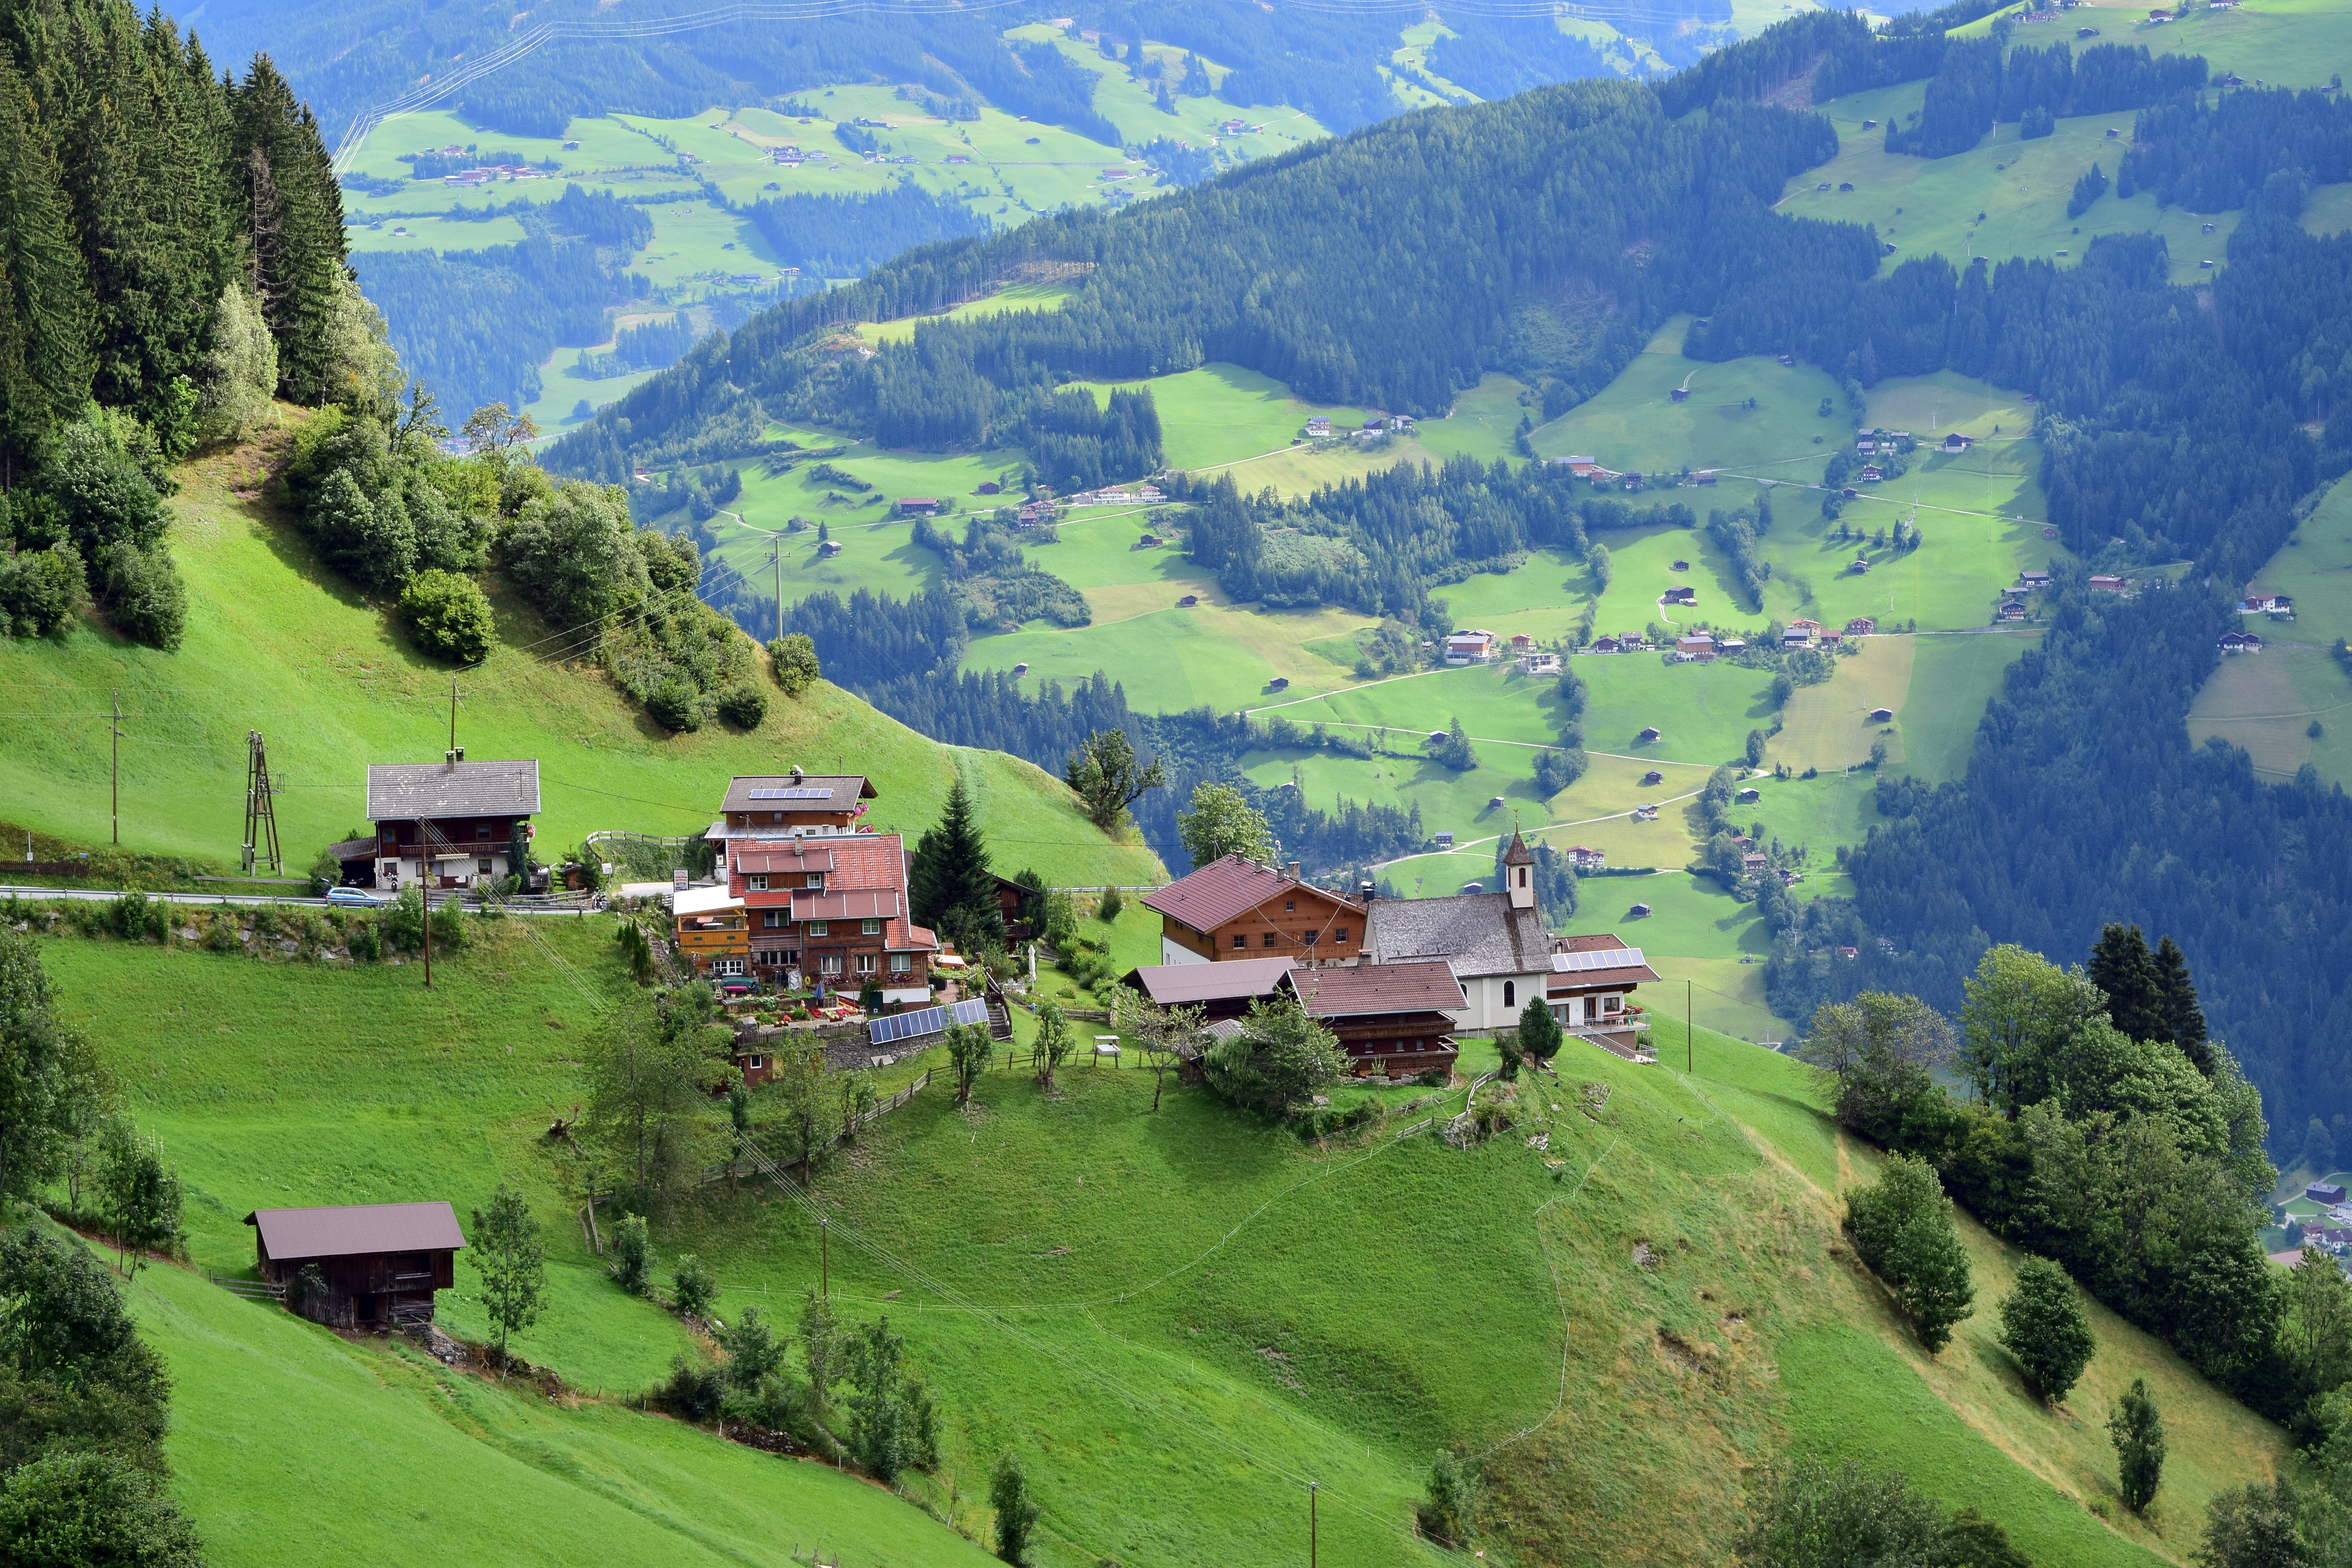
[[172, 258]]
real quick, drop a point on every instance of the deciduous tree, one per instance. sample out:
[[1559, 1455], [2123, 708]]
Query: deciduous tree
[[1016, 1510], [1108, 778], [1221, 822], [2043, 1325], [1903, 1230], [2137, 1433], [505, 1249]]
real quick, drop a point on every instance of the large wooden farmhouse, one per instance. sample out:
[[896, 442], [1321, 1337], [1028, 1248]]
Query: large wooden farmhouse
[[449, 824], [810, 896], [1236, 907], [1394, 1020]]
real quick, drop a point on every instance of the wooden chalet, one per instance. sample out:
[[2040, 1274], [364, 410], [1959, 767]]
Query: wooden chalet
[[1234, 908], [1219, 990], [1392, 1019], [791, 805], [447, 824], [1590, 993], [374, 1264]]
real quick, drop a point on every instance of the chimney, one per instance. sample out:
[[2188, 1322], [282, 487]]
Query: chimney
[[1365, 892], [797, 775], [450, 759], [1294, 870]]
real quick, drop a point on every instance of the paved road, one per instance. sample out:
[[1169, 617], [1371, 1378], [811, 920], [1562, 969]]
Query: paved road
[[101, 895]]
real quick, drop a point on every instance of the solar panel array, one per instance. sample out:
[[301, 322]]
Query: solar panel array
[[924, 1021], [1599, 957], [792, 794]]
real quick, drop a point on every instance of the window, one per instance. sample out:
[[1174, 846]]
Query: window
[[1290, 906], [1269, 939], [753, 1062], [869, 928], [1307, 937], [820, 927], [1240, 939], [1510, 993], [483, 865], [1610, 1003], [1341, 936], [728, 966], [864, 964], [1523, 876], [902, 964], [771, 920], [481, 830], [829, 964], [816, 880], [757, 881], [771, 958]]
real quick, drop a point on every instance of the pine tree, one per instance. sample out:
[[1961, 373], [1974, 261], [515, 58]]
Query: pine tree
[[295, 215], [2121, 966], [2184, 1019], [2137, 1433], [951, 889], [45, 304]]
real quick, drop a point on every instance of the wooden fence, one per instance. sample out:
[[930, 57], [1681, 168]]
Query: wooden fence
[[251, 1289]]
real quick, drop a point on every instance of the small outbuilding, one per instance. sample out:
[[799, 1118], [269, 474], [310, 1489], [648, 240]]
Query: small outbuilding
[[1647, 735], [1882, 715], [2330, 1192], [359, 1265]]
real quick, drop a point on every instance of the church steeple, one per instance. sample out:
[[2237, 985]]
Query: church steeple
[[1519, 872]]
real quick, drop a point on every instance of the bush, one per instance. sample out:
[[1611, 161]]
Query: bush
[[448, 614], [793, 660], [689, 1393], [144, 596], [676, 706], [1556, 769], [39, 590], [745, 707], [632, 1263], [1452, 1500], [92, 1508], [1110, 906], [449, 928], [695, 1286]]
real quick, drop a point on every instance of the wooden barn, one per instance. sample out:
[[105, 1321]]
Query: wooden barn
[[377, 1264]]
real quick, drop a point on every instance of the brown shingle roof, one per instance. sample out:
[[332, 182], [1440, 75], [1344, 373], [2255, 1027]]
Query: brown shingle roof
[[1232, 886], [854, 904], [1424, 988], [760, 857], [291, 1234], [747, 792]]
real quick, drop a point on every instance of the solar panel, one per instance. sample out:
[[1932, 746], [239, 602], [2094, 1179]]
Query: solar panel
[[1603, 958], [792, 794], [924, 1021]]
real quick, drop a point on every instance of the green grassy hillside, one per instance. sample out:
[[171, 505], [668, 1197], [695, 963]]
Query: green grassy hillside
[[278, 644], [1178, 1318], [2270, 702]]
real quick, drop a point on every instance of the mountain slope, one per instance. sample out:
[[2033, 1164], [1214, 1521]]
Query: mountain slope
[[279, 644], [1178, 1317]]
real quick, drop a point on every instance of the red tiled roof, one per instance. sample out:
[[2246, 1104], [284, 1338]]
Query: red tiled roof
[[291, 1234], [1424, 986], [1223, 889]]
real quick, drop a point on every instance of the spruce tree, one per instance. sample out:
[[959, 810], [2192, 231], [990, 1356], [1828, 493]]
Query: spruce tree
[[2184, 1019], [45, 304], [295, 217], [2121, 966], [951, 889]]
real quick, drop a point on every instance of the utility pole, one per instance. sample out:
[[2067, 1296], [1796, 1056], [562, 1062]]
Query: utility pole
[[115, 726], [824, 1259], [1687, 1048], [1311, 1488], [260, 814], [776, 557], [453, 715], [425, 896]]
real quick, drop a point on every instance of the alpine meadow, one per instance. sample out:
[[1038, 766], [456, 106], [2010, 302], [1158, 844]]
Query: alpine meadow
[[1159, 786]]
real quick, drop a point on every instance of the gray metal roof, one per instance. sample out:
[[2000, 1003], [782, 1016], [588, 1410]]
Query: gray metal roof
[[1478, 934], [411, 791]]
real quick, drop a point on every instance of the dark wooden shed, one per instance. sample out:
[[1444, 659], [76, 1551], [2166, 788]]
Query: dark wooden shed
[[378, 1265]]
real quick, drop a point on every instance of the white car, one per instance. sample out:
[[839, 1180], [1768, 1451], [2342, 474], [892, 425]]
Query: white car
[[359, 895]]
